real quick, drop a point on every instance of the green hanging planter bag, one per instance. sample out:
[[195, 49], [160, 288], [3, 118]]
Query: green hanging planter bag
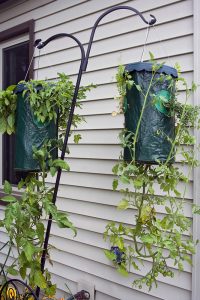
[[29, 133], [157, 127]]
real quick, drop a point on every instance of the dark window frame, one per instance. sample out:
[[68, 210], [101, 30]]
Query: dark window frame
[[23, 28]]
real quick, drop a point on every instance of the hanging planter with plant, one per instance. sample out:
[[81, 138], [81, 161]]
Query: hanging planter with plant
[[147, 115], [33, 110], [31, 131], [157, 129]]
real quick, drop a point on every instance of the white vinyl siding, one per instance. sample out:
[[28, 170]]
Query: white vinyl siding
[[86, 191]]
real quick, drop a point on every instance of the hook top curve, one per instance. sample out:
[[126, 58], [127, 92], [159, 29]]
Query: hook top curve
[[38, 44], [153, 20]]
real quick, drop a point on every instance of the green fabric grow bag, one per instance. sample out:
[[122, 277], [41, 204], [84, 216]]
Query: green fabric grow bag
[[29, 133], [157, 128]]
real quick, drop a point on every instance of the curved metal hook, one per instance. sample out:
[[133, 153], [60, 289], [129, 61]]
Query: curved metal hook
[[40, 44], [151, 22]]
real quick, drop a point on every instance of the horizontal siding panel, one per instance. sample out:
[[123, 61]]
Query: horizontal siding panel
[[87, 265], [6, 6], [97, 166], [108, 75], [119, 22], [96, 9], [106, 197], [102, 122], [73, 13], [110, 288], [110, 274], [19, 9], [40, 12], [99, 136], [114, 43], [109, 90], [97, 107], [102, 296], [102, 151], [108, 212], [91, 166], [95, 240], [104, 182], [103, 76], [84, 245], [178, 46], [97, 255]]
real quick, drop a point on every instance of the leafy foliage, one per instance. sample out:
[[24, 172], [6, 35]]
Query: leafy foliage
[[8, 105], [25, 213], [48, 100], [24, 222], [160, 225]]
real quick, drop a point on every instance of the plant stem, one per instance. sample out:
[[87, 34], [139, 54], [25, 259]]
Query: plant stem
[[141, 115]]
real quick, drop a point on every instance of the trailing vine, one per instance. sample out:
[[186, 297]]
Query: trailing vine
[[25, 214], [153, 193]]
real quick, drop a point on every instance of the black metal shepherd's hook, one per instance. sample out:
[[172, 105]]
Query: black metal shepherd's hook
[[83, 66]]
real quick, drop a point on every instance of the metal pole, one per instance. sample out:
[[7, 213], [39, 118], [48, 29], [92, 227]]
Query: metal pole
[[83, 66], [39, 44]]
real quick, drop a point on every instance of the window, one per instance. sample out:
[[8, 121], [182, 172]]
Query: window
[[16, 51], [15, 65]]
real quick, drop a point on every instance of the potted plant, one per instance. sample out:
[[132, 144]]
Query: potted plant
[[25, 213], [151, 187]]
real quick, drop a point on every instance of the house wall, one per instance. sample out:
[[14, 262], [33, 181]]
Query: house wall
[[86, 191]]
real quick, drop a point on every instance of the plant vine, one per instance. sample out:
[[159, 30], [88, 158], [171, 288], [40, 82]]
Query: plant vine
[[155, 194], [25, 214]]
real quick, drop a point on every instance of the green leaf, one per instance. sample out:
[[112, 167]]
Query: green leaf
[[122, 271], [196, 209], [168, 210], [11, 120], [147, 239], [3, 125], [9, 198], [138, 183], [115, 184], [12, 271], [138, 87], [40, 153], [39, 279], [110, 255], [40, 231], [180, 266], [22, 272], [51, 290], [53, 171], [7, 187], [124, 179], [188, 259], [123, 204], [63, 221], [29, 250], [11, 87], [135, 266], [77, 138], [61, 164], [115, 169], [7, 101], [151, 56], [20, 184]]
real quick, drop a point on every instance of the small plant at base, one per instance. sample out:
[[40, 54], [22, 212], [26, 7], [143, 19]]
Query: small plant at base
[[155, 236]]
